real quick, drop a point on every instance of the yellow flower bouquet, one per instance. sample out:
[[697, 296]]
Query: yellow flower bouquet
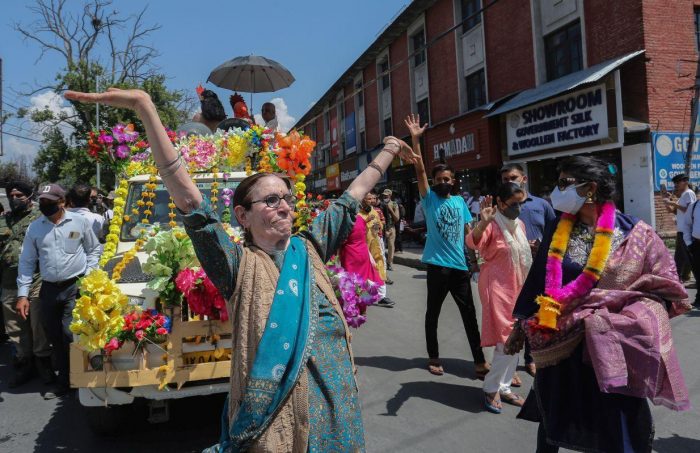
[[98, 313]]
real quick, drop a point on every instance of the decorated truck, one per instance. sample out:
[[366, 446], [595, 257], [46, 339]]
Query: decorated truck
[[149, 324]]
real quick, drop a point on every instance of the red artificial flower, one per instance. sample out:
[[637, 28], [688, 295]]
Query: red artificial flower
[[112, 345], [161, 331]]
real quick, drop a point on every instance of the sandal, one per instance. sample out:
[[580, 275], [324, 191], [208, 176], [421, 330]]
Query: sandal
[[435, 368], [482, 370], [490, 402], [513, 398], [516, 382]]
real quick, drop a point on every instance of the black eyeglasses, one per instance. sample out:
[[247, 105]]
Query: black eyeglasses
[[273, 201], [563, 183]]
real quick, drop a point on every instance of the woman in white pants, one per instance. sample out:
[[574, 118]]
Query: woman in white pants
[[500, 239]]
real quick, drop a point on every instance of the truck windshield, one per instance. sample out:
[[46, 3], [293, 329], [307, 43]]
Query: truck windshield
[[130, 230]]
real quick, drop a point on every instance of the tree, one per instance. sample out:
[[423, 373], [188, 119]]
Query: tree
[[97, 44], [16, 170], [58, 162]]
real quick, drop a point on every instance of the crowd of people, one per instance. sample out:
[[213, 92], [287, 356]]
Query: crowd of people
[[586, 290]]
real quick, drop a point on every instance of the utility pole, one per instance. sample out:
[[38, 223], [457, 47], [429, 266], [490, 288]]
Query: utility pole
[[693, 120], [97, 124], [2, 114]]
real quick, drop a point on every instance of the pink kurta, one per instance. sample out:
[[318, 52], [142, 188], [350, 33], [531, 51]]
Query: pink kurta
[[354, 253], [498, 285]]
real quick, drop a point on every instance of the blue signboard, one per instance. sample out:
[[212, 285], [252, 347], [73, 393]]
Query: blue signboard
[[669, 158], [350, 136]]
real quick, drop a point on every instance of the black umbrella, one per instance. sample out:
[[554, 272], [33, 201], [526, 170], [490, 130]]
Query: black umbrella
[[251, 74]]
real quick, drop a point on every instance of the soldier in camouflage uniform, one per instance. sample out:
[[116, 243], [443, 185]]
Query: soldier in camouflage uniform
[[32, 349]]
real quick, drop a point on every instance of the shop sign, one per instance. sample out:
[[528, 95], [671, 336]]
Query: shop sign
[[348, 175], [335, 148], [577, 117], [350, 137], [454, 146], [320, 184], [333, 177], [670, 149]]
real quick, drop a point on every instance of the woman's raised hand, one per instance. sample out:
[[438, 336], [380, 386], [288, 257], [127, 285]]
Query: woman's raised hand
[[487, 210], [115, 97], [412, 122]]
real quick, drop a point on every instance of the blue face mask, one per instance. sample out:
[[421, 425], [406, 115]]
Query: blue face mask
[[568, 200]]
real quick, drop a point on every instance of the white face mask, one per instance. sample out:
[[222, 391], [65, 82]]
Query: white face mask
[[568, 200]]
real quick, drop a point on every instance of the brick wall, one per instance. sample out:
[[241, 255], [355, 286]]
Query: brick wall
[[669, 107], [442, 63], [400, 86], [371, 107], [349, 98], [510, 61]]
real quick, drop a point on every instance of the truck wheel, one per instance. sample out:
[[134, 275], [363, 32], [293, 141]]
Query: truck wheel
[[107, 421]]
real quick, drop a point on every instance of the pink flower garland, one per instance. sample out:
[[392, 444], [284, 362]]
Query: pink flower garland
[[584, 282]]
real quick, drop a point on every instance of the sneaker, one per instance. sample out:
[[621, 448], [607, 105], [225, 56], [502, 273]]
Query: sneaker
[[389, 281], [389, 268], [386, 302]]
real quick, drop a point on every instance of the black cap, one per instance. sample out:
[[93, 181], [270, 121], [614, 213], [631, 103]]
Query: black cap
[[679, 178]]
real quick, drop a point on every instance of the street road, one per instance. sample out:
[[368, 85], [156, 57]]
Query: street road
[[406, 409]]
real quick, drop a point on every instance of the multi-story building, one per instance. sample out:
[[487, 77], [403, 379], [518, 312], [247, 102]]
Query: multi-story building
[[526, 81]]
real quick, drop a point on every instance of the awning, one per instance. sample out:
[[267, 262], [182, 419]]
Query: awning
[[564, 84]]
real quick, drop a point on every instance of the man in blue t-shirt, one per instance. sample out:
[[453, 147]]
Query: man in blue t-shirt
[[535, 213], [447, 218]]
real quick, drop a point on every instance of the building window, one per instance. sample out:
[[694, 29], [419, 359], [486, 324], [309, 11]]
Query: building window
[[469, 8], [418, 44], [387, 127], [563, 51], [360, 94], [423, 111], [476, 89], [384, 68], [326, 126], [697, 29]]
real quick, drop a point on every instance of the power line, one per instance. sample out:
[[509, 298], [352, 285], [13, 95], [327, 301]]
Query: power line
[[23, 138], [401, 62]]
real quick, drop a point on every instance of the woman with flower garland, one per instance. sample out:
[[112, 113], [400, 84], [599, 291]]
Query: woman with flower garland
[[292, 378], [595, 308], [500, 238]]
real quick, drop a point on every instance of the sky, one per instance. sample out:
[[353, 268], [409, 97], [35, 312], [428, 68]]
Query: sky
[[316, 40]]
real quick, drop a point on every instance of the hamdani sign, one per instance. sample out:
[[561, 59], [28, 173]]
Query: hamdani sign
[[454, 146], [577, 117]]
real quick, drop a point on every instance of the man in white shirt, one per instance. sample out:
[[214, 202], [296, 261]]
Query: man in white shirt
[[474, 203], [78, 200], [269, 115], [65, 247], [693, 220], [683, 228]]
